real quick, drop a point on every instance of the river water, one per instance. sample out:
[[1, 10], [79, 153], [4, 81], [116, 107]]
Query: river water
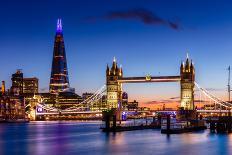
[[74, 137]]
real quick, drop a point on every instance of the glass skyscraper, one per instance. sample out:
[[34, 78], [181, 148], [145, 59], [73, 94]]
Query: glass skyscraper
[[59, 81]]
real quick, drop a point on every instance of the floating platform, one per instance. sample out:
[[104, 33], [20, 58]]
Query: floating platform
[[183, 130], [129, 128], [15, 121]]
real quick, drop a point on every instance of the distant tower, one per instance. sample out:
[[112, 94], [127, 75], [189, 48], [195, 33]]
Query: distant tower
[[59, 81], [114, 88], [3, 87], [187, 73]]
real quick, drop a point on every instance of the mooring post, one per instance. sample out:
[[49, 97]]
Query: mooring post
[[212, 126], [153, 120], [114, 122], [146, 120], [159, 120], [168, 123]]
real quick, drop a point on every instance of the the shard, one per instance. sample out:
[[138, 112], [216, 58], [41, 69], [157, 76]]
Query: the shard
[[59, 81]]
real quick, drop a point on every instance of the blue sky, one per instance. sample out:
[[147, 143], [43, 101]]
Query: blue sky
[[96, 31]]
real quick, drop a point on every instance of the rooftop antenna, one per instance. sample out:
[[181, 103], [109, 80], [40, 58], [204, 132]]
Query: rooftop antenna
[[228, 84]]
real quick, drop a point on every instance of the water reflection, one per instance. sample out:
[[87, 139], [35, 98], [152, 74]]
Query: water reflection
[[85, 138]]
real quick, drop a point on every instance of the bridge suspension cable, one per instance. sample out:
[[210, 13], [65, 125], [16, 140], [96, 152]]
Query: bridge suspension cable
[[212, 97], [82, 105], [86, 103]]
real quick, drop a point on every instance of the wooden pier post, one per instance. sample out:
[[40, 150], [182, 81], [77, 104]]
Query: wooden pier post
[[168, 123]]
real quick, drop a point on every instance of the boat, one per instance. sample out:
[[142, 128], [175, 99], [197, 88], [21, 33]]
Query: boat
[[17, 120], [2, 120]]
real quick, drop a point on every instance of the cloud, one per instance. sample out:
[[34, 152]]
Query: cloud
[[200, 101], [171, 101], [173, 98], [160, 102], [142, 15]]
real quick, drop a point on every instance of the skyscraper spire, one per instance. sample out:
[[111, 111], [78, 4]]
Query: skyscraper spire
[[59, 26]]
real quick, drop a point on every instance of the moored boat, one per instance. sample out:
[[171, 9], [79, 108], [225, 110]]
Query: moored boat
[[17, 120]]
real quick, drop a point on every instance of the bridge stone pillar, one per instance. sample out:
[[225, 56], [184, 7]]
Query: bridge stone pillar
[[114, 88], [187, 73]]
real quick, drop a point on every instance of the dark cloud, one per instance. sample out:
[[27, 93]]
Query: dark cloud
[[153, 102], [171, 101], [160, 101], [145, 16], [200, 101], [173, 98], [142, 15]]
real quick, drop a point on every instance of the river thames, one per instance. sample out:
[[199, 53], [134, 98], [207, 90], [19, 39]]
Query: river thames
[[74, 137]]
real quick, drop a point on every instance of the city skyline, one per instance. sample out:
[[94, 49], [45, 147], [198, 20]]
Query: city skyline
[[145, 40], [114, 77]]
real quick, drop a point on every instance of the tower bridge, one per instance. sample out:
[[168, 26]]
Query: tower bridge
[[115, 79]]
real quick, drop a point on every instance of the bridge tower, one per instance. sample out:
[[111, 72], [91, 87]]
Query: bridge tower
[[187, 74], [114, 88]]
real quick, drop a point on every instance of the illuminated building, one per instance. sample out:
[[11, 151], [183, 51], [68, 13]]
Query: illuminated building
[[59, 81], [30, 85], [114, 88], [86, 95], [124, 100], [22, 85], [17, 83], [187, 73], [133, 105], [12, 107], [17, 107], [12, 103], [98, 105], [62, 101]]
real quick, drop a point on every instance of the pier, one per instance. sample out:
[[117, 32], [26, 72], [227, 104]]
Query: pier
[[221, 124], [110, 123]]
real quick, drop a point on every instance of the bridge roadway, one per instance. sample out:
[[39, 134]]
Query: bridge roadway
[[149, 79], [214, 111], [99, 112], [200, 111], [80, 112], [69, 112]]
